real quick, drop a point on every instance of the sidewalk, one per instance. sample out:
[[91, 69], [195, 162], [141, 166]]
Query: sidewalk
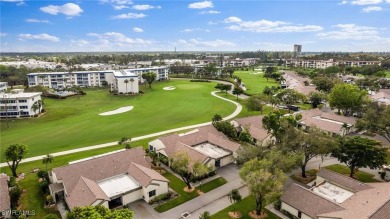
[[234, 114]]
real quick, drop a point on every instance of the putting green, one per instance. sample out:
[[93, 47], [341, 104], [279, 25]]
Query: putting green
[[74, 123]]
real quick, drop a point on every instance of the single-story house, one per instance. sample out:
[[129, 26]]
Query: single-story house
[[328, 122], [5, 204], [382, 96], [335, 196], [206, 145], [254, 124], [111, 180]]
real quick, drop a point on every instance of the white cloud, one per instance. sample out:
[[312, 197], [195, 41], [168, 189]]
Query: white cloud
[[129, 16], [33, 20], [42, 36], [350, 32], [117, 4], [145, 7], [138, 30], [201, 5], [232, 20], [18, 2], [366, 2], [388, 1], [194, 29], [119, 38], [198, 43], [210, 12], [212, 23], [119, 7], [3, 34], [268, 26], [69, 9], [372, 8], [343, 2]]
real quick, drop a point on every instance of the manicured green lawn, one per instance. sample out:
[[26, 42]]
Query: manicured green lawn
[[359, 175], [254, 82], [245, 112], [244, 206], [178, 185], [74, 123], [387, 74]]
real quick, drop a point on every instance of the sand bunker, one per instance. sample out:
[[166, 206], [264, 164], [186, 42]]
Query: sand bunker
[[255, 73], [117, 111], [169, 88]]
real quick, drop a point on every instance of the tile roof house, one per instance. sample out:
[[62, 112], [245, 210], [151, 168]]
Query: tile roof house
[[5, 204], [112, 180], [338, 196], [328, 122], [296, 82], [254, 124], [382, 96], [206, 145]]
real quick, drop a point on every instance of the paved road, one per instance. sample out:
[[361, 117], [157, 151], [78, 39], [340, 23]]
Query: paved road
[[234, 114]]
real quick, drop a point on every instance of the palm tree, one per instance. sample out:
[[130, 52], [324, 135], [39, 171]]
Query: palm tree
[[35, 107], [48, 159], [126, 82], [234, 196], [132, 81]]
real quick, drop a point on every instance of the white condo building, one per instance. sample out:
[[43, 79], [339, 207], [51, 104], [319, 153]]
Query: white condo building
[[328, 63], [19, 104], [115, 78], [3, 86]]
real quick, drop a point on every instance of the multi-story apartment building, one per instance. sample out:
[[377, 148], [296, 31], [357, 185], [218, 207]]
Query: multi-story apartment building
[[19, 104], [324, 64], [3, 86], [115, 78]]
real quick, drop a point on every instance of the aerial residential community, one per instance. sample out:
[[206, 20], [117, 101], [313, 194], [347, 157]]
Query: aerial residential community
[[195, 109]]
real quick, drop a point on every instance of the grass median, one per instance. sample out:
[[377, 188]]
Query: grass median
[[178, 185]]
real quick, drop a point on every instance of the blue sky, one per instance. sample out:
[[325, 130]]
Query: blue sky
[[223, 25]]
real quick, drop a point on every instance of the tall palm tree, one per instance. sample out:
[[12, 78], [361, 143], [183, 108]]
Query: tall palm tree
[[126, 82], [48, 159], [132, 81]]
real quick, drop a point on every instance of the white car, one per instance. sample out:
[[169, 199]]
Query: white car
[[386, 167]]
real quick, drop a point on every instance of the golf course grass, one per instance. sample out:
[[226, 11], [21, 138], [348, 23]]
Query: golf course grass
[[254, 81], [74, 123]]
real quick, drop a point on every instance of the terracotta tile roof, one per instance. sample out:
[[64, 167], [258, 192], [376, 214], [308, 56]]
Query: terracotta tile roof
[[100, 168], [145, 175], [383, 212], [342, 180], [85, 193], [326, 121], [371, 203], [4, 194], [79, 179], [183, 143], [308, 202], [255, 125]]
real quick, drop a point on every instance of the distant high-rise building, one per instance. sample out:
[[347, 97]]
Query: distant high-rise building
[[297, 49]]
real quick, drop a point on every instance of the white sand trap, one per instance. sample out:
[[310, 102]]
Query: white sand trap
[[255, 73], [169, 88], [117, 111]]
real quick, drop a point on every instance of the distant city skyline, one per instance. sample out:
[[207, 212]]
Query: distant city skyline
[[223, 25]]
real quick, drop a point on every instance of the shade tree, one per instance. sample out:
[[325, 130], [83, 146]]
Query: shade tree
[[13, 154]]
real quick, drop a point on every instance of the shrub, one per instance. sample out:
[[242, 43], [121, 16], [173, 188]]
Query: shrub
[[278, 205], [15, 194], [12, 181], [43, 174], [44, 187], [49, 199], [51, 216], [161, 197]]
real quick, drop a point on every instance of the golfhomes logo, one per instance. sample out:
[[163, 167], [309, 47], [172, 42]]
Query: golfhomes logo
[[18, 213]]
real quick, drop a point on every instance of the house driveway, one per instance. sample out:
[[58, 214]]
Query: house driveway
[[213, 201]]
